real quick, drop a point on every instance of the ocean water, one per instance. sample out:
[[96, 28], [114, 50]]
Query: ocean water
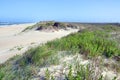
[[11, 23]]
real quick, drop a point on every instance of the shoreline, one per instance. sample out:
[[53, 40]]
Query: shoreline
[[14, 24], [12, 43]]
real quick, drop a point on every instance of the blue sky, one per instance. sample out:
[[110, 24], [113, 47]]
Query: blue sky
[[60, 10]]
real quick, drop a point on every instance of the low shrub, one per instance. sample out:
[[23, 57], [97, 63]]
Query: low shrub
[[89, 43]]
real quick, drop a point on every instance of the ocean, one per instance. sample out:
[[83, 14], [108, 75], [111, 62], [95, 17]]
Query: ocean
[[11, 23]]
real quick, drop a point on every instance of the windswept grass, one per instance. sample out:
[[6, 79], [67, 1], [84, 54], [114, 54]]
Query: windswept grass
[[110, 28], [89, 43]]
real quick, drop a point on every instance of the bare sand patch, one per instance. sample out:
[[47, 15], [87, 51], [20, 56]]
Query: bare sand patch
[[10, 37]]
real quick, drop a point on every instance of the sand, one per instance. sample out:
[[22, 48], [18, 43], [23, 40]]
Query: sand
[[13, 42]]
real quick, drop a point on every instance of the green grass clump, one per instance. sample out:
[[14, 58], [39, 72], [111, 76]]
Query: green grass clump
[[15, 72], [110, 28], [28, 28], [47, 75], [89, 43], [37, 56], [1, 74], [83, 73]]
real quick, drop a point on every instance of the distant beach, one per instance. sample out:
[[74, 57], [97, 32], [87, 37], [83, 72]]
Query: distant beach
[[12, 23], [13, 42]]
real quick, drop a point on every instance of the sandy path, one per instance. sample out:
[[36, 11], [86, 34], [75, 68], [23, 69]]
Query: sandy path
[[10, 40]]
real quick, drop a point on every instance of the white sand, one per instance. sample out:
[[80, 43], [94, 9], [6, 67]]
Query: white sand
[[10, 39]]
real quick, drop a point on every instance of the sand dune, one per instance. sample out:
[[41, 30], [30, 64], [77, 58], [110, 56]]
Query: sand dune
[[13, 42]]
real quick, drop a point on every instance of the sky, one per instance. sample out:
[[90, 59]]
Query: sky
[[60, 10]]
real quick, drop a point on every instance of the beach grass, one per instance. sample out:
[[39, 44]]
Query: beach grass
[[91, 44]]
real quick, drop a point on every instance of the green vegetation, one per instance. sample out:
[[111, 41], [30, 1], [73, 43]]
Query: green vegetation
[[49, 25], [77, 71], [17, 48], [83, 73], [91, 44], [47, 75], [110, 28]]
